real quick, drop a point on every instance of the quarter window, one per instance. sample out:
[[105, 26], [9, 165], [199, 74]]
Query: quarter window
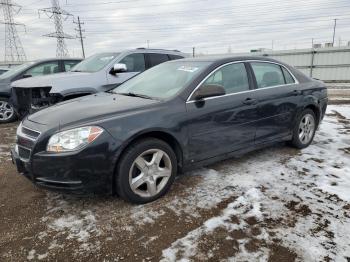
[[233, 78], [175, 57], [267, 74], [156, 59], [43, 69], [287, 76], [134, 62], [68, 65]]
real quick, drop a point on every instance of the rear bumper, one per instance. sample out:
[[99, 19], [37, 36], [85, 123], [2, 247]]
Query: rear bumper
[[323, 107]]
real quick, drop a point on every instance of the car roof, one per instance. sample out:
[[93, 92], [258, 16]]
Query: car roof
[[56, 59], [149, 50], [228, 59]]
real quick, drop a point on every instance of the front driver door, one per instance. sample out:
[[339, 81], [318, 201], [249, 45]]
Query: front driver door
[[222, 124], [135, 64]]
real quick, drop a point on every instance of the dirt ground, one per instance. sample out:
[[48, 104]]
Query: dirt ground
[[276, 204]]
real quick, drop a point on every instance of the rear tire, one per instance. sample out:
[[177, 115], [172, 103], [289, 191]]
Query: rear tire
[[7, 111], [146, 171], [304, 129]]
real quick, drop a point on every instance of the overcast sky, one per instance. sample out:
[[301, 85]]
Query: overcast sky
[[212, 26]]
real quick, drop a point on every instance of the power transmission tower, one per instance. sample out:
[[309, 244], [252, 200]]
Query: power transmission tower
[[56, 12], [80, 36], [14, 51]]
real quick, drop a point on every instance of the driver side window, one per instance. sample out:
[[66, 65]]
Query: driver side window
[[233, 78], [43, 69], [134, 62]]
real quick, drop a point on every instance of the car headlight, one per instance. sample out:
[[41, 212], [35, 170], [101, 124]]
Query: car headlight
[[73, 139]]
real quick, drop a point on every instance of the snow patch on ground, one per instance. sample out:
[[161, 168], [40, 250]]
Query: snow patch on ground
[[243, 207], [305, 193]]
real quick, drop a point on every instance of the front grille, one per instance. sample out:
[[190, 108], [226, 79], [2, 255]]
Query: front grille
[[31, 133], [25, 141], [24, 153]]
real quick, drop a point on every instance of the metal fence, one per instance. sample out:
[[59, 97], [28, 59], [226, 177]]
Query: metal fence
[[327, 64]]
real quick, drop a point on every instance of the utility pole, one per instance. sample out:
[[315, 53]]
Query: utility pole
[[193, 51], [272, 45], [312, 43], [56, 12], [335, 25], [80, 36], [14, 51], [147, 44]]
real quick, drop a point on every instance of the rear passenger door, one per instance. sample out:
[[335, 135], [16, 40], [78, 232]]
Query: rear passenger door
[[278, 97], [154, 59]]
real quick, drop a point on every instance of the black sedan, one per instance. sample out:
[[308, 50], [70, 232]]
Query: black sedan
[[176, 116]]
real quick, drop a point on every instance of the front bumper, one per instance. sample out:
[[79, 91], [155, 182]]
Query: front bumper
[[87, 171]]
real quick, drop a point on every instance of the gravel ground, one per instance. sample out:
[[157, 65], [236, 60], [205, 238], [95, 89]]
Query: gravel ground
[[276, 204]]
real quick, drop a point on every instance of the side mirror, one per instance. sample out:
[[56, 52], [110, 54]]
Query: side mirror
[[26, 76], [118, 68], [209, 91]]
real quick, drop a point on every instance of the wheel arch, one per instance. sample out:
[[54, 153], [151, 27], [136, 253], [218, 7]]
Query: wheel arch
[[315, 109], [163, 135]]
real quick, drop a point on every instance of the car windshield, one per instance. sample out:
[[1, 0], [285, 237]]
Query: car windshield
[[162, 81], [94, 63], [12, 72]]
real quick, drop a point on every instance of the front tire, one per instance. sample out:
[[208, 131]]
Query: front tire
[[7, 112], [146, 171], [304, 129]]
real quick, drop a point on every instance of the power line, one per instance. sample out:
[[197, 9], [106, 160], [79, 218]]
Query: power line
[[56, 12], [14, 51], [80, 35]]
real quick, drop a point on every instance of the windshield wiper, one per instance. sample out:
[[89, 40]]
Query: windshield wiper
[[135, 95]]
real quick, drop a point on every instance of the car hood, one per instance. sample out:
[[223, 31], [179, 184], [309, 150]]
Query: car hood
[[89, 108], [67, 79]]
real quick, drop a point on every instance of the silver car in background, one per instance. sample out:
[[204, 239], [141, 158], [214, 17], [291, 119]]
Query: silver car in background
[[98, 73]]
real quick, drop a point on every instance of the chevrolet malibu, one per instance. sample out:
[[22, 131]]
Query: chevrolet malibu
[[176, 116]]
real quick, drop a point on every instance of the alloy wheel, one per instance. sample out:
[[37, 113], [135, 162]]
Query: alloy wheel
[[150, 172], [6, 111], [306, 128]]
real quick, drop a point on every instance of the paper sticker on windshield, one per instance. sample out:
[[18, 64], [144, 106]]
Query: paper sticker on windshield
[[188, 69], [106, 58]]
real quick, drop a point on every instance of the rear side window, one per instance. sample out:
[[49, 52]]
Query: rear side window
[[287, 76], [156, 59], [134, 62], [233, 78], [43, 69], [267, 74], [174, 57]]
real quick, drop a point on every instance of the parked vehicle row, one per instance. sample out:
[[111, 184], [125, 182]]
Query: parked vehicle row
[[28, 70], [97, 73], [176, 116]]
